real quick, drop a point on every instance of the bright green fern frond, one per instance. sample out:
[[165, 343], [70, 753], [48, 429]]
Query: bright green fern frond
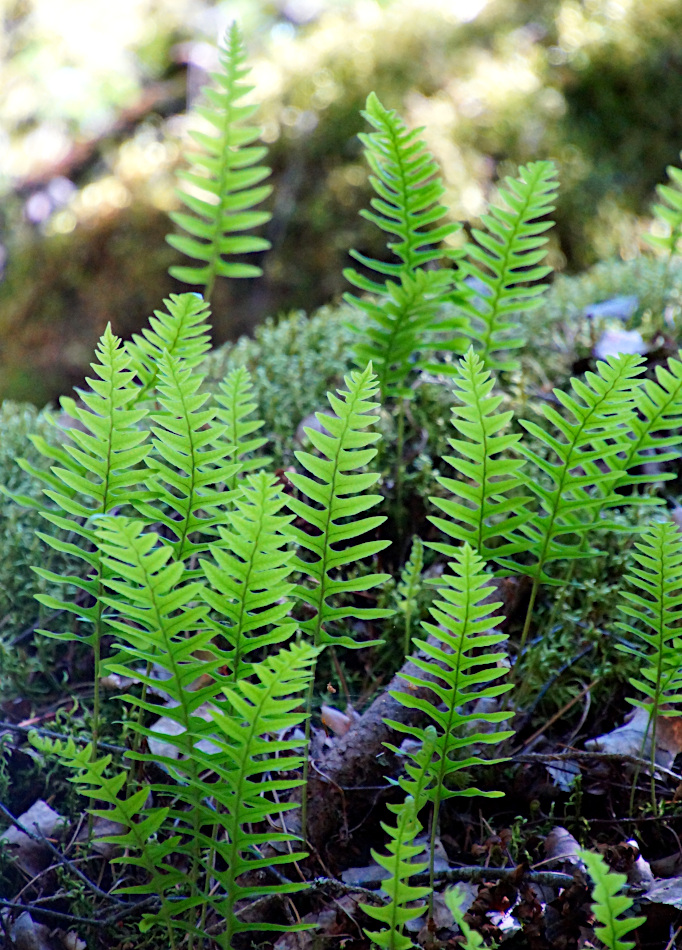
[[253, 753], [654, 612], [597, 426], [486, 508], [400, 865], [249, 574], [465, 669], [226, 173], [409, 294], [610, 904], [188, 462], [338, 492], [454, 900], [236, 401], [183, 331], [669, 214], [504, 264], [96, 468]]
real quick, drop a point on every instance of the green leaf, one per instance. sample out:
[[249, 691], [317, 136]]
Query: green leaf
[[609, 904]]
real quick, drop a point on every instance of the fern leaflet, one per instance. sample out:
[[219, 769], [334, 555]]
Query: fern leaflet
[[610, 904], [227, 175], [669, 213]]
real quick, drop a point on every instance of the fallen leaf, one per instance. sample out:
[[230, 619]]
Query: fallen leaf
[[616, 341], [628, 738], [26, 934], [32, 856]]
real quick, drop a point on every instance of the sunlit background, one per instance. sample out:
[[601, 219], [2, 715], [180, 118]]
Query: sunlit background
[[93, 122]]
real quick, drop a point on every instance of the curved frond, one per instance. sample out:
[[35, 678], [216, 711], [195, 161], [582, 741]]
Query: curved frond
[[224, 180], [485, 507], [407, 296], [504, 264], [337, 490], [250, 573]]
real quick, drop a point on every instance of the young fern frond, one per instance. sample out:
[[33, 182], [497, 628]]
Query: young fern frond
[[655, 606], [408, 588], [235, 398], [408, 295], [400, 862], [249, 573], [94, 473], [182, 331], [486, 508], [609, 904], [669, 214], [506, 261], [188, 461], [458, 655], [454, 900], [338, 492], [227, 175]]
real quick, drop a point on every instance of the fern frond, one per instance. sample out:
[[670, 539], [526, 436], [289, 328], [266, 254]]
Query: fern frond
[[669, 213], [599, 413], [408, 588], [235, 398], [609, 904], [458, 658], [454, 899], [188, 462], [507, 261], [486, 508], [260, 712], [654, 612], [400, 861], [408, 186], [225, 180], [182, 331], [249, 573], [338, 492]]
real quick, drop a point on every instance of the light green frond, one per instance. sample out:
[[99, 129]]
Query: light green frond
[[249, 574], [669, 213], [504, 264], [406, 299], [610, 904], [187, 468], [224, 178], [485, 506], [337, 489], [182, 330], [236, 401], [408, 588]]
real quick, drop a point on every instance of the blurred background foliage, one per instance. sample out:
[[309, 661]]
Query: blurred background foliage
[[93, 122]]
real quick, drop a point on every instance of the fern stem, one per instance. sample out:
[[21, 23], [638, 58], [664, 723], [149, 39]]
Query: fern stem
[[514, 675]]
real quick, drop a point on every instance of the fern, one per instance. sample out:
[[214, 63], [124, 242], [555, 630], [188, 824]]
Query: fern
[[609, 904], [400, 862], [234, 397], [249, 573], [656, 608], [182, 331], [338, 491], [506, 261], [486, 504], [459, 659], [669, 213], [408, 588], [408, 295], [227, 175], [94, 473], [160, 623], [188, 463], [454, 899]]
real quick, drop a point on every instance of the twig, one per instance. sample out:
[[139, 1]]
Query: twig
[[577, 754]]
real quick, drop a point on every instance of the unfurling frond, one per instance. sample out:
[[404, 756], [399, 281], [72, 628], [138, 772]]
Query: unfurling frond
[[224, 180], [337, 489], [504, 264]]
